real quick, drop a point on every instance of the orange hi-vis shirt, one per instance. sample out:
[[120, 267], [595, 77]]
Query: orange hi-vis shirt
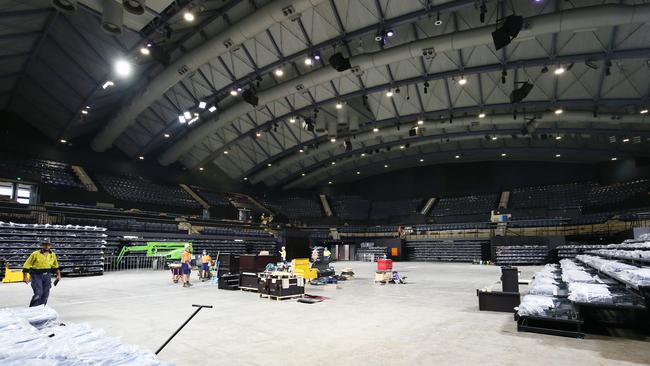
[[186, 258], [206, 259]]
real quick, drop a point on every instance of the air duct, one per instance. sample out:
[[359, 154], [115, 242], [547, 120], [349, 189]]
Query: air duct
[[502, 121], [135, 7], [112, 17], [65, 6], [233, 36], [568, 20]]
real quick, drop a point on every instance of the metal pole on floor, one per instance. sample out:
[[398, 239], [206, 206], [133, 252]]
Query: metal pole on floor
[[199, 307]]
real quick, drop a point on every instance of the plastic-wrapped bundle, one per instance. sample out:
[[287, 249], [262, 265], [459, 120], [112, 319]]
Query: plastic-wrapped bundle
[[639, 276], [589, 293], [546, 289], [535, 305], [576, 275], [38, 316]]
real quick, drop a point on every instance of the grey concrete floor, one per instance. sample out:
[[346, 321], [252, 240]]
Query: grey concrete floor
[[433, 320]]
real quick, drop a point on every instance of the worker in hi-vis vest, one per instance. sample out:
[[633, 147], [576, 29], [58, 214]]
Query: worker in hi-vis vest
[[40, 266]]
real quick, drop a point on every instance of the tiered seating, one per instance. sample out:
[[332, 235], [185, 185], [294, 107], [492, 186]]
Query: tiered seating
[[295, 206], [350, 207], [453, 250], [465, 205], [51, 173], [616, 192], [386, 209], [571, 250], [213, 198], [79, 249], [140, 190], [125, 224], [521, 254], [552, 196]]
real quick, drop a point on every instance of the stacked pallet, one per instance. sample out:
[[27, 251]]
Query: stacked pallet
[[80, 249], [445, 250]]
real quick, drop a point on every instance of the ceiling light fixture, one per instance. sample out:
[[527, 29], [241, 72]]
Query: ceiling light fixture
[[558, 155], [386, 166], [308, 61], [481, 115], [279, 72], [333, 139], [457, 156], [375, 129], [292, 120], [201, 168], [188, 16], [145, 51], [107, 84], [420, 122], [122, 68], [166, 135], [63, 141], [212, 109], [559, 111], [389, 93], [559, 71], [504, 155], [181, 119], [438, 21], [202, 105], [558, 137], [643, 111], [84, 111], [614, 158], [141, 157], [234, 92], [462, 81]]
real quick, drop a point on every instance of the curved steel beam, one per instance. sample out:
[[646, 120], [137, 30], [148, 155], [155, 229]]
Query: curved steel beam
[[448, 157], [568, 20], [451, 136]]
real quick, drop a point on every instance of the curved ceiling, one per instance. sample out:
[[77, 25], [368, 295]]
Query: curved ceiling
[[440, 65]]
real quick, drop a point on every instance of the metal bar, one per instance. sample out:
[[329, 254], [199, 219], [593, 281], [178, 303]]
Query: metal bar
[[199, 307]]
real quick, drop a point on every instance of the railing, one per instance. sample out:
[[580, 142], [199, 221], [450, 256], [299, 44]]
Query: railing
[[134, 262]]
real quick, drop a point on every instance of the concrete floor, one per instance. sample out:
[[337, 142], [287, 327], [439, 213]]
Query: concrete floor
[[433, 320]]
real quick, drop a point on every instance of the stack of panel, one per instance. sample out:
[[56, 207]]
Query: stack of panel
[[80, 249], [458, 250], [371, 254], [521, 254]]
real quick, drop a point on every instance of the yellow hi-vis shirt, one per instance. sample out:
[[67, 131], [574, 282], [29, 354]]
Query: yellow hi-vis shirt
[[41, 261], [205, 259]]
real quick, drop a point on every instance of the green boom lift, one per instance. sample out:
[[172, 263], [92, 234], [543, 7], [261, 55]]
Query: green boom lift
[[170, 250]]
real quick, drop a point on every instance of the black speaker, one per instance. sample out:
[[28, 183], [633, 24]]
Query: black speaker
[[348, 145], [509, 29], [510, 279], [339, 62], [250, 97], [522, 92]]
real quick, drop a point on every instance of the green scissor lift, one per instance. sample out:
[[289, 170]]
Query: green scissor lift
[[170, 250]]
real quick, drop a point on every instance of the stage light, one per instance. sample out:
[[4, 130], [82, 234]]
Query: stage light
[[521, 93], [457, 156], [626, 140], [308, 61], [202, 105], [494, 138], [558, 155], [292, 120], [269, 164], [558, 137], [339, 62], [420, 122], [559, 111], [250, 97], [122, 68], [510, 28], [358, 173], [390, 33], [112, 18], [504, 155], [279, 72], [330, 182], [201, 168], [182, 119], [559, 71], [614, 158], [389, 93], [234, 93], [301, 150], [63, 141], [421, 160], [212, 109], [141, 157], [363, 154], [303, 174], [145, 51], [375, 129], [385, 166], [333, 163], [332, 139], [225, 152], [481, 115], [339, 105], [188, 16], [462, 81], [258, 134], [166, 135]]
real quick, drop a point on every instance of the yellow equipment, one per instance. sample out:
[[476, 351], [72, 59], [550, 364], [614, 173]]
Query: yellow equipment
[[301, 269], [13, 276]]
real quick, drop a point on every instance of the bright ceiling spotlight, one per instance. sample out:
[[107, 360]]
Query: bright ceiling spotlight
[[481, 115], [166, 135], [292, 120], [201, 168], [614, 158], [401, 146], [63, 141], [626, 140], [333, 139], [84, 111], [107, 84], [420, 122], [438, 21], [303, 174], [386, 166], [559, 111], [504, 155], [225, 152], [187, 115], [279, 72], [643, 111], [389, 93], [269, 164], [258, 134], [333, 163], [141, 157], [358, 173], [308, 61], [212, 109], [457, 156], [330, 182], [462, 81], [494, 138], [558, 137], [390, 33], [375, 129], [339, 105], [202, 105], [558, 155], [421, 160], [122, 68], [301, 150], [188, 16], [234, 92], [145, 51], [181, 119], [363, 154], [559, 71], [245, 178]]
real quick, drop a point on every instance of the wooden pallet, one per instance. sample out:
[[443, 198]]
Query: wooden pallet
[[249, 289], [278, 298]]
